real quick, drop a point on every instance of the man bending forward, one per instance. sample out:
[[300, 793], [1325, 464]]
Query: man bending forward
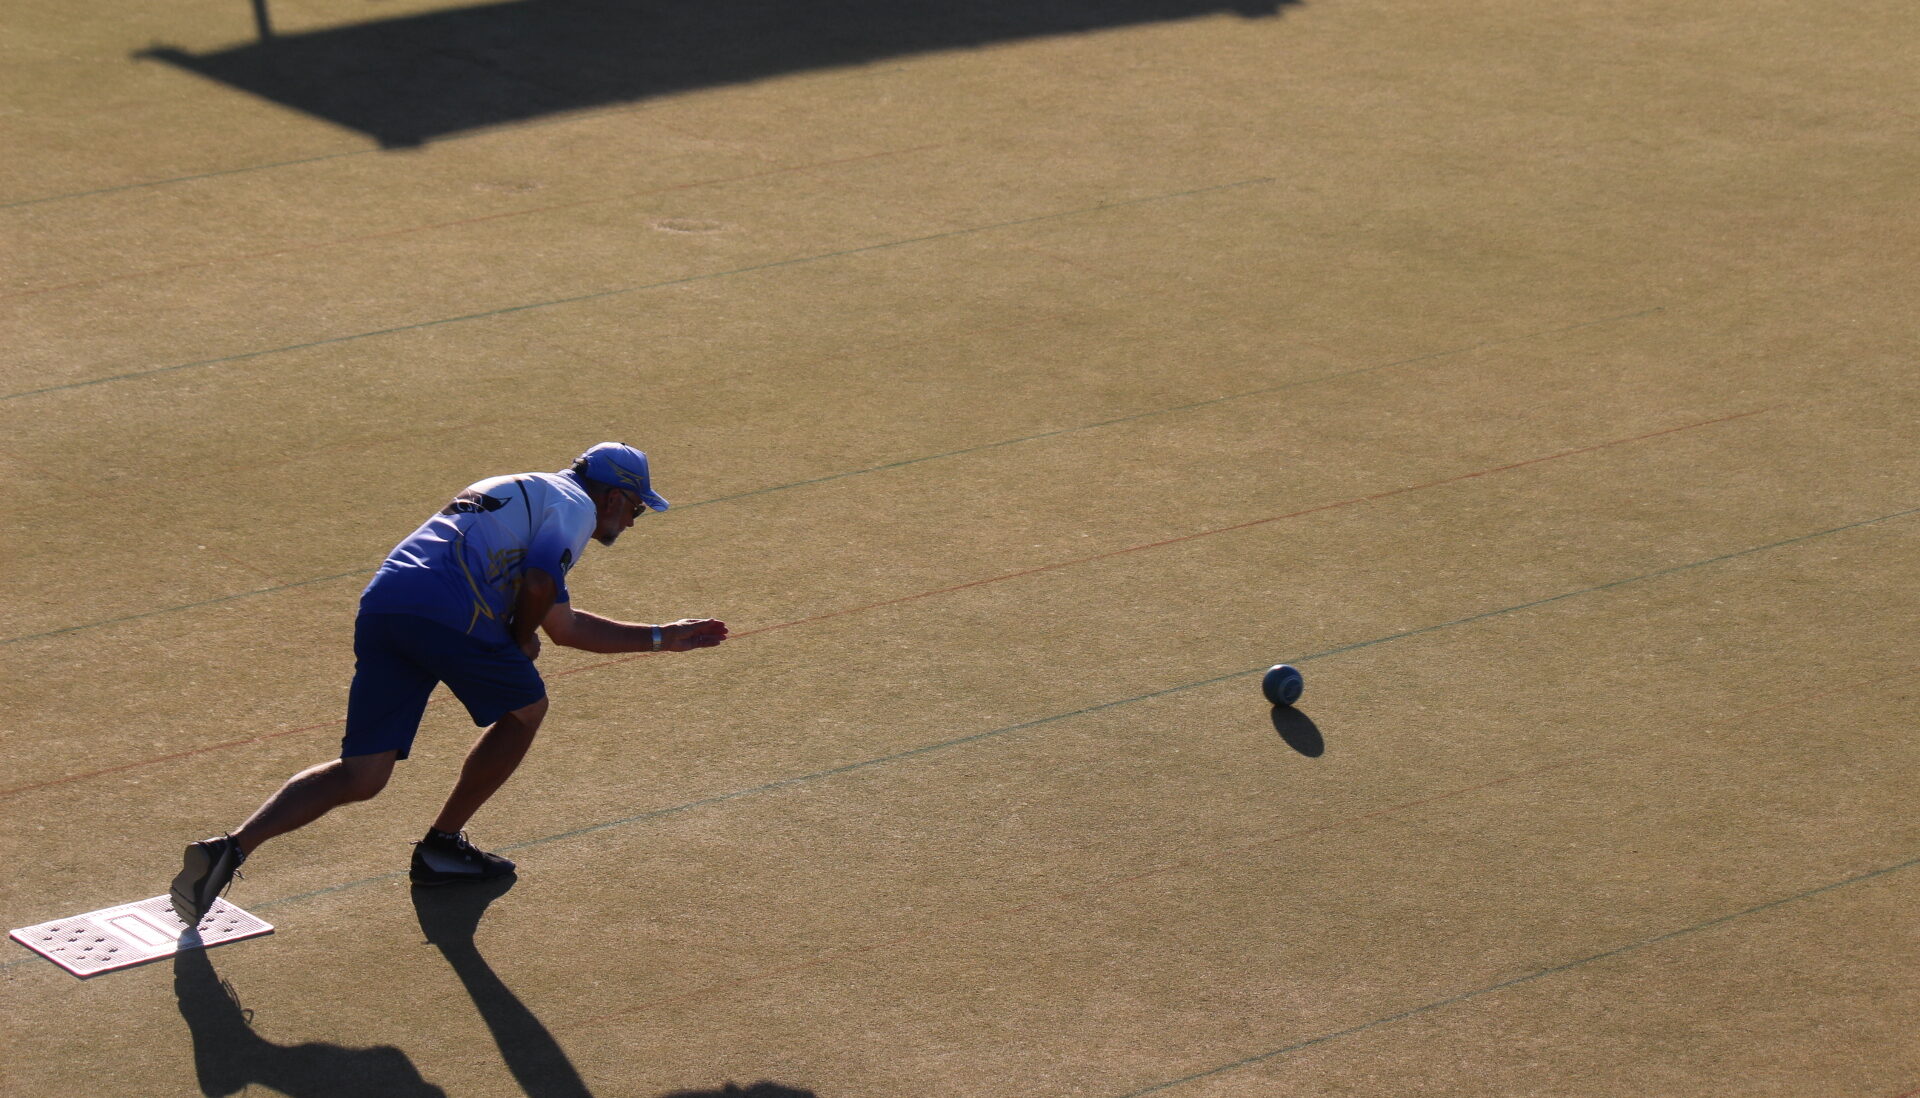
[[459, 601]]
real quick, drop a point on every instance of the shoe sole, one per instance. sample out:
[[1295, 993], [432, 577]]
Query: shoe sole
[[196, 872], [437, 880], [197, 865], [489, 867]]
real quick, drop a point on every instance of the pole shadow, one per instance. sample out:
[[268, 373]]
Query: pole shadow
[[410, 79], [229, 1057], [1299, 731], [762, 1089]]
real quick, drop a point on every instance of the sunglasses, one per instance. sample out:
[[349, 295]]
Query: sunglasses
[[639, 508]]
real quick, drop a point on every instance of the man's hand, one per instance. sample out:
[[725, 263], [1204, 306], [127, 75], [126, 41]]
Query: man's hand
[[531, 605], [688, 634]]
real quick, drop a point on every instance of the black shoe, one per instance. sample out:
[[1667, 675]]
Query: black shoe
[[443, 859], [207, 869]]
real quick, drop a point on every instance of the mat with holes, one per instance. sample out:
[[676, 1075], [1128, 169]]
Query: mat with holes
[[135, 933]]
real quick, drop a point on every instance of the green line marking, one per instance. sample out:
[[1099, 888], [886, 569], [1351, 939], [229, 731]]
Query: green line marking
[[1262, 391], [597, 295], [1542, 974], [928, 749], [445, 139], [181, 179], [905, 462]]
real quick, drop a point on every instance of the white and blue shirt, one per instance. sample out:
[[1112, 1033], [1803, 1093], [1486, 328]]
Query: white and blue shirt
[[463, 567]]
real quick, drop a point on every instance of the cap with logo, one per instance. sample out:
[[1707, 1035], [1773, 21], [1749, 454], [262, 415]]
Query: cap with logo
[[621, 466]]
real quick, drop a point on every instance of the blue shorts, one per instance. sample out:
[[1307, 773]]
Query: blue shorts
[[399, 658]]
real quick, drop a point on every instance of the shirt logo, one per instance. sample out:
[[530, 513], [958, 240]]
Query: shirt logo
[[471, 502], [503, 566]]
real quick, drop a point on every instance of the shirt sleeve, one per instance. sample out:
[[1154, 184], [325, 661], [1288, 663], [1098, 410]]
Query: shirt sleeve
[[559, 537]]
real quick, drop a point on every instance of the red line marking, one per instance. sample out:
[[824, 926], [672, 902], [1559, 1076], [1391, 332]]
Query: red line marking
[[1201, 859], [391, 233], [262, 738], [1350, 501]]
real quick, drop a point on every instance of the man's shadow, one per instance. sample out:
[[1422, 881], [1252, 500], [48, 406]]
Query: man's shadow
[[449, 916], [228, 1056]]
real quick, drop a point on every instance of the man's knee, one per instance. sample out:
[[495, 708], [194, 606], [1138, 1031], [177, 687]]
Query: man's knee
[[530, 716], [366, 775]]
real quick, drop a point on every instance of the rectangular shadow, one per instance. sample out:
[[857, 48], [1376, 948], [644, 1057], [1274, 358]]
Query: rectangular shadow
[[409, 80]]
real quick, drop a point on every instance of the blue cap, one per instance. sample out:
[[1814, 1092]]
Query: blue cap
[[620, 466]]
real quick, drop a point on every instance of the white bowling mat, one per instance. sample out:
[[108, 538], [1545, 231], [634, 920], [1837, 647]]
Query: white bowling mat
[[131, 934]]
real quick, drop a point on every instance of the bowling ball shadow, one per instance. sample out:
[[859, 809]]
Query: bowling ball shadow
[[1299, 731]]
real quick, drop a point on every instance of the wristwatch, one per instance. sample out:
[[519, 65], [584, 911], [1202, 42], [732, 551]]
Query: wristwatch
[[659, 638]]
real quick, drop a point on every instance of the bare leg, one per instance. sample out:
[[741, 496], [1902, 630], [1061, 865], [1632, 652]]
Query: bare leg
[[494, 758], [313, 793]]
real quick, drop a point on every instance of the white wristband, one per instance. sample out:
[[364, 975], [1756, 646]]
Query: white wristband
[[659, 638]]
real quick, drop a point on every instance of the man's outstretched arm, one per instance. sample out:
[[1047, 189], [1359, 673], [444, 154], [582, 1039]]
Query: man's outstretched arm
[[593, 633]]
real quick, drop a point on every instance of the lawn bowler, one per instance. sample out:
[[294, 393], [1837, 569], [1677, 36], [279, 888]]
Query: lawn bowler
[[461, 601]]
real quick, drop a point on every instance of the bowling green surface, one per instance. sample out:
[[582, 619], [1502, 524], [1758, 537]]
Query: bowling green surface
[[1027, 378]]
